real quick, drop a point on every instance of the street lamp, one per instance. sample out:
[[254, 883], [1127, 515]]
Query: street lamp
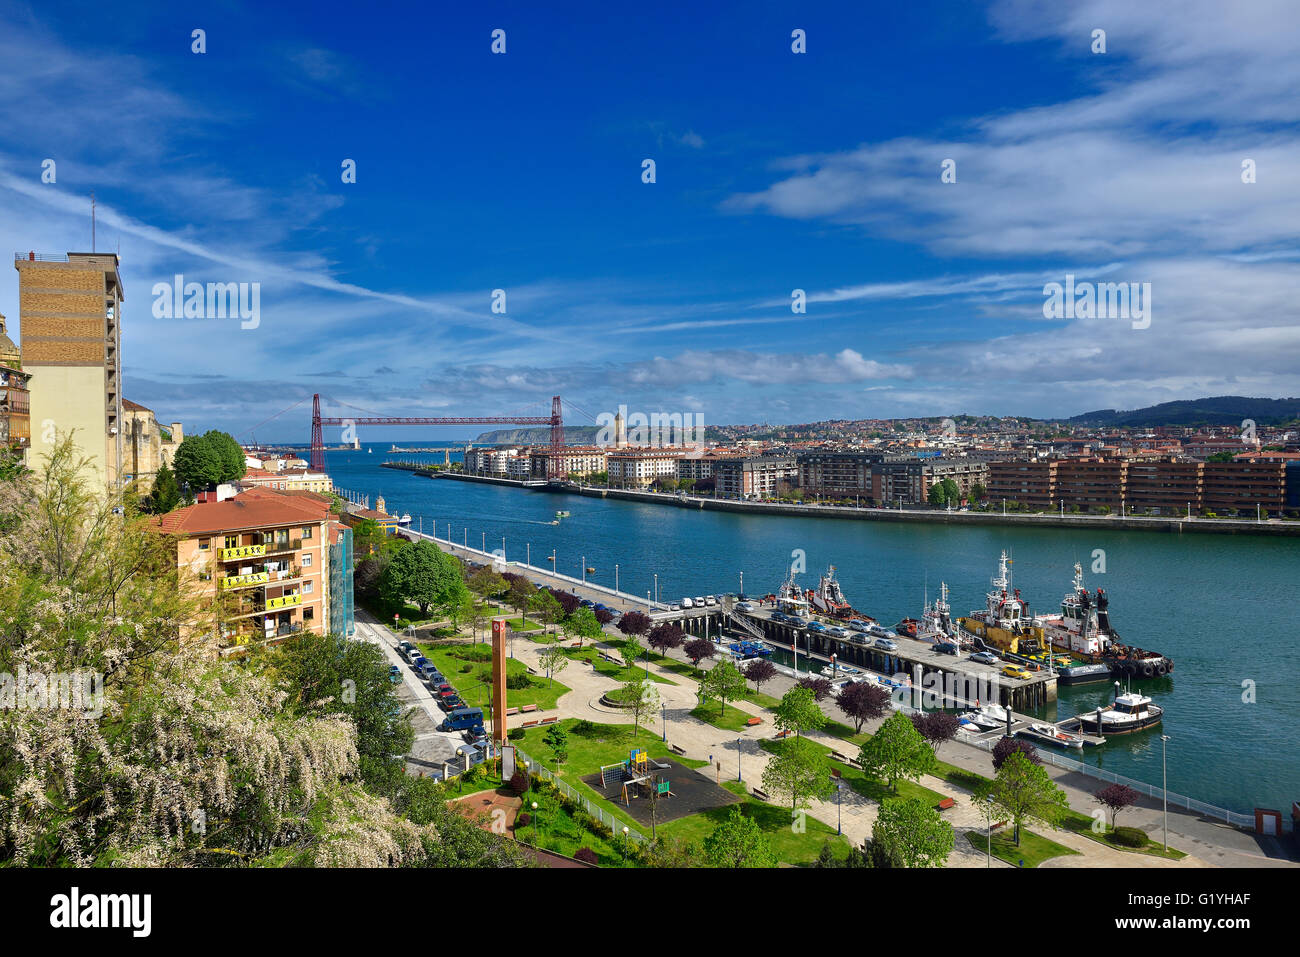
[[616, 578], [535, 839], [584, 569], [663, 711], [656, 588], [738, 777], [484, 548], [839, 788], [988, 819], [1164, 787], [624, 843]]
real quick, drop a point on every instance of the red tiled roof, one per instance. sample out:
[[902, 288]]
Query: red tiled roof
[[254, 508], [134, 406]]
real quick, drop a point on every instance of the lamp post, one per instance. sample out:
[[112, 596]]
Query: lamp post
[[503, 549], [528, 554], [839, 789], [616, 578], [484, 548], [988, 819], [738, 776], [584, 569], [535, 822], [663, 713], [624, 843], [1164, 787], [648, 607], [656, 588]]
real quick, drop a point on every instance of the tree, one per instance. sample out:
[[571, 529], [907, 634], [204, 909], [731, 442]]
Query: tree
[[738, 842], [207, 460], [863, 701], [424, 574], [557, 739], [978, 492], [165, 494], [369, 538], [665, 637], [604, 616], [554, 660], [545, 608], [1009, 746], [630, 650], [921, 837], [1116, 797], [569, 602], [798, 712], [1026, 793], [724, 682], [634, 623], [937, 727], [937, 496], [487, 584], [819, 686], [698, 649], [798, 771], [642, 698], [896, 751], [760, 671], [583, 623], [521, 592]]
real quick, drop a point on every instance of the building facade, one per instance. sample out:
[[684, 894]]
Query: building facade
[[147, 445], [754, 476], [70, 309], [1031, 484], [15, 410], [638, 468]]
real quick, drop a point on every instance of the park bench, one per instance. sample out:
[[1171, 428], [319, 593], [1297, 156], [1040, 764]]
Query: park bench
[[529, 724], [998, 826], [835, 773], [945, 804], [761, 795], [551, 720], [510, 711], [676, 750], [782, 734], [576, 644], [753, 721], [531, 670], [527, 708]]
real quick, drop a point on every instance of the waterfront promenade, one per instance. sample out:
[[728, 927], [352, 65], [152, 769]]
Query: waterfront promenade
[[1146, 523]]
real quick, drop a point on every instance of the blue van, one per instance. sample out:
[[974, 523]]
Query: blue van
[[463, 719]]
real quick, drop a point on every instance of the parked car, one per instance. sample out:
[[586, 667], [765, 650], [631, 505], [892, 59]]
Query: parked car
[[428, 670], [395, 674], [699, 601], [451, 703], [674, 607], [816, 626], [857, 624], [985, 657], [1015, 671], [404, 647], [945, 648], [744, 606], [687, 603], [710, 599], [886, 644], [464, 719], [796, 621], [413, 654]]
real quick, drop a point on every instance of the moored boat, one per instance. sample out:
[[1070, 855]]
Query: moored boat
[[1051, 734], [1129, 713]]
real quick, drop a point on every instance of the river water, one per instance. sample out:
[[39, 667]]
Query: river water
[[1222, 606]]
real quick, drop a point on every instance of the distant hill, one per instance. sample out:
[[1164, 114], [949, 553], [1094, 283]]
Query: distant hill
[[573, 435], [1216, 410]]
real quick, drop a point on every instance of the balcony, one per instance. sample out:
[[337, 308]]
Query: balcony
[[261, 549]]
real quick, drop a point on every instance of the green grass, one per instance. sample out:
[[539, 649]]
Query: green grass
[[1076, 822], [867, 786], [615, 670], [1033, 849], [733, 719], [787, 842], [554, 828], [475, 685]]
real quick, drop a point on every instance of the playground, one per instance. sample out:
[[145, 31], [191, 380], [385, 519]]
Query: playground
[[678, 791]]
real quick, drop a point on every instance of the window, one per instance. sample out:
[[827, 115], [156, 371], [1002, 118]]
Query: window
[[232, 541], [309, 614], [306, 532], [306, 559], [308, 587], [205, 544]]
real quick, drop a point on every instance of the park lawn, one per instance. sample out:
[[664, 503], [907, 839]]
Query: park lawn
[[603, 744], [613, 669], [475, 686], [760, 699], [554, 828], [1033, 849], [732, 719], [1076, 822], [869, 787], [788, 845]]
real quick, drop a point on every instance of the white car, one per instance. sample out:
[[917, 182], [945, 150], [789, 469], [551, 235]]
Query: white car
[[710, 600], [744, 606], [687, 603], [699, 602]]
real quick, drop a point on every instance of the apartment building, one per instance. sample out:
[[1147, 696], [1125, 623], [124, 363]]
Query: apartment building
[[1028, 483], [1168, 486], [908, 480], [70, 308], [753, 476], [573, 460], [1246, 485], [288, 480], [838, 474], [262, 563], [638, 468], [15, 410], [1092, 484]]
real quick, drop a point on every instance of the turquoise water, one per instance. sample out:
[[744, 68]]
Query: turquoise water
[[1223, 607]]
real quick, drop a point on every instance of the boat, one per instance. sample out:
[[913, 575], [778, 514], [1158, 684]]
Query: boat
[[1051, 734], [1129, 713], [838, 670], [982, 721], [405, 519], [999, 715], [1082, 631], [745, 650], [561, 514], [828, 599]]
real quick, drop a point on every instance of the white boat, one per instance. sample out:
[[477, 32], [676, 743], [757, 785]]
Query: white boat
[[995, 712], [1051, 734], [1130, 712], [839, 671], [982, 721]]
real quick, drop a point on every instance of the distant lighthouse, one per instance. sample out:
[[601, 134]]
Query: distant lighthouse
[[620, 431]]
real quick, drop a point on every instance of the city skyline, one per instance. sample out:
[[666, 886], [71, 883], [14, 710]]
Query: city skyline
[[818, 171]]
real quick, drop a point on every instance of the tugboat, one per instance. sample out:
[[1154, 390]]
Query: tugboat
[[1130, 712], [828, 599], [1084, 629]]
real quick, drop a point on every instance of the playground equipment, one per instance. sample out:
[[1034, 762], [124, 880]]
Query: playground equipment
[[638, 776]]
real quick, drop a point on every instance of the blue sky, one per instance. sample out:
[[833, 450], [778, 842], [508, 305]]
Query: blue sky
[[775, 171]]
